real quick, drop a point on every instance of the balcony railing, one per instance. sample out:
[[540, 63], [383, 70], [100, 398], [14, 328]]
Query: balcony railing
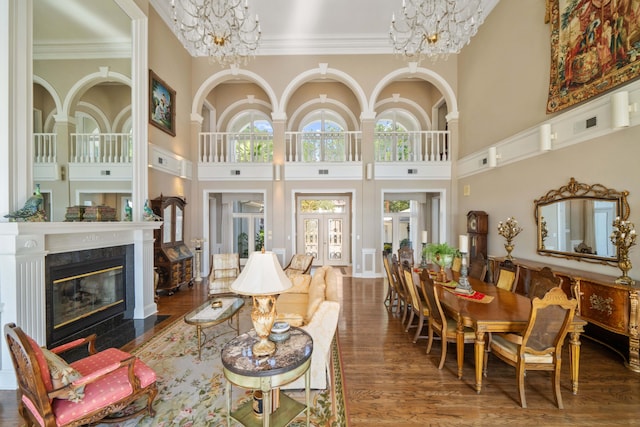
[[44, 148], [311, 147], [228, 147], [418, 146], [101, 148]]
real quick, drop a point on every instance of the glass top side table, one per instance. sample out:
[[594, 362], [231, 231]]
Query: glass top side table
[[291, 359]]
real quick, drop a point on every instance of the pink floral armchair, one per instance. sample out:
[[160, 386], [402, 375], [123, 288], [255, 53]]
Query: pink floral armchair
[[54, 393]]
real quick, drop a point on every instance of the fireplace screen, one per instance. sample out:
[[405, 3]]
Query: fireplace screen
[[79, 296]]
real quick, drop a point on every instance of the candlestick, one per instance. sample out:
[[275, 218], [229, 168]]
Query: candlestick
[[463, 243]]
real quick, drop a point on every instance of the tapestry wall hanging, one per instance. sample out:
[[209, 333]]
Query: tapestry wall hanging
[[595, 46]]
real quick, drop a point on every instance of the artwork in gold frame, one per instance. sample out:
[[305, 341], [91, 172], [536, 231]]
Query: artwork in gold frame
[[595, 46]]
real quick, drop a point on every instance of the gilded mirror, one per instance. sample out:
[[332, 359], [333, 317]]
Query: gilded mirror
[[575, 222]]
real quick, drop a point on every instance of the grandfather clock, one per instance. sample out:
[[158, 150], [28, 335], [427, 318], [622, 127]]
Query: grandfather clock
[[477, 229]]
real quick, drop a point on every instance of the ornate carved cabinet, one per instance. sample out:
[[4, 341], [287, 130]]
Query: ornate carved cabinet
[[172, 258]]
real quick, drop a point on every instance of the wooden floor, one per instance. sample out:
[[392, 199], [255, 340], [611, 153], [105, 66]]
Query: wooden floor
[[391, 381]]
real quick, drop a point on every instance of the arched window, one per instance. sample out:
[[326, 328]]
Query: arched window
[[323, 137], [394, 136], [251, 136]]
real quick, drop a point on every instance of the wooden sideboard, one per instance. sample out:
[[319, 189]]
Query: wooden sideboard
[[610, 307]]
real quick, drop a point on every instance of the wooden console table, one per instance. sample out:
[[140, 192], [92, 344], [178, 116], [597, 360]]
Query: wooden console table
[[601, 302]]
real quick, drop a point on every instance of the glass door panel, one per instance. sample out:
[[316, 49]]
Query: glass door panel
[[311, 237], [334, 232]]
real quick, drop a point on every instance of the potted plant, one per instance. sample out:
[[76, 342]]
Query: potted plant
[[441, 254]]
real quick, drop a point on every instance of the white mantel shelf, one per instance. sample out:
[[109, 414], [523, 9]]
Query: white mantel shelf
[[23, 249]]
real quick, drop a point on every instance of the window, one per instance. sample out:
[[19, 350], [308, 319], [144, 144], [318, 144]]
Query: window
[[248, 226], [394, 136], [252, 138], [323, 137]]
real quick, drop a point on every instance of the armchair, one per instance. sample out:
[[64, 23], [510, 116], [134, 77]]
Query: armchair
[[299, 264], [96, 388], [224, 269], [540, 346]]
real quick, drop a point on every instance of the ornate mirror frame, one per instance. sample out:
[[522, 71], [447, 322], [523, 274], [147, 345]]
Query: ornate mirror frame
[[575, 191]]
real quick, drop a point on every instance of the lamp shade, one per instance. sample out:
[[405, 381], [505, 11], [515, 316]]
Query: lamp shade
[[262, 275]]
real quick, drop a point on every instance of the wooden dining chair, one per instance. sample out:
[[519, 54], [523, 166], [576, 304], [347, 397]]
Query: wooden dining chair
[[507, 275], [540, 346], [405, 256], [456, 265], [404, 300], [391, 300], [542, 281], [478, 267], [419, 309], [440, 324]]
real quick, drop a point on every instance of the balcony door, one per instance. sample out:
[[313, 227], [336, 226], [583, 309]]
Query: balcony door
[[323, 229]]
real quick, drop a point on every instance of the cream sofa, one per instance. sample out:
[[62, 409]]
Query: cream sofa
[[313, 304]]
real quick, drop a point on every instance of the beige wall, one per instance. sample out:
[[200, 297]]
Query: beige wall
[[504, 77]]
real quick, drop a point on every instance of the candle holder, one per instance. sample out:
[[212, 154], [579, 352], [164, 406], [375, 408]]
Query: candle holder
[[624, 237], [423, 262], [509, 230], [464, 287]]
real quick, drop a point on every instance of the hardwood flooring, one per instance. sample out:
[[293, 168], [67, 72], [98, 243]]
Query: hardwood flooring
[[391, 381]]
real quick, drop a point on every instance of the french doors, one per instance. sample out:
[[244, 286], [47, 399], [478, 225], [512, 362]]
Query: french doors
[[323, 230]]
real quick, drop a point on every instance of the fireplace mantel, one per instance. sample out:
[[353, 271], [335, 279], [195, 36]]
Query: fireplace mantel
[[23, 248]]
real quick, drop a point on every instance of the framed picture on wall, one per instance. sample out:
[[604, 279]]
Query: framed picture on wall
[[595, 46], [162, 104]]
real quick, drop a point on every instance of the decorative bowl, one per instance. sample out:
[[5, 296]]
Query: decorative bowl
[[216, 304], [280, 327], [279, 337]]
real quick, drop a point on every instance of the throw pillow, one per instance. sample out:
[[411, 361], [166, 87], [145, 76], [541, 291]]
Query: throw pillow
[[63, 374], [300, 283]]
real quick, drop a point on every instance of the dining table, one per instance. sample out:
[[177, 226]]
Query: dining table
[[506, 312]]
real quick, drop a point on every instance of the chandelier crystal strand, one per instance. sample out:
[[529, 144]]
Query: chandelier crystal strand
[[434, 28], [222, 30]]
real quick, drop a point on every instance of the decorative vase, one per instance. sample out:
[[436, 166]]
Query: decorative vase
[[509, 247], [625, 265]]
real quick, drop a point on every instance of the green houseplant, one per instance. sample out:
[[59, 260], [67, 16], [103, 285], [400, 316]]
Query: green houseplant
[[441, 254]]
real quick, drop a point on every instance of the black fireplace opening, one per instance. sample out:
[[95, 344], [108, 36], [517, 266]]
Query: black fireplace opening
[[88, 291]]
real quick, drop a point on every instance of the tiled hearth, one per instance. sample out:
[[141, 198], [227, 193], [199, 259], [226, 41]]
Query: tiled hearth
[[23, 251]]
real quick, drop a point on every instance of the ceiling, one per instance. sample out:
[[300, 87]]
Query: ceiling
[[289, 27]]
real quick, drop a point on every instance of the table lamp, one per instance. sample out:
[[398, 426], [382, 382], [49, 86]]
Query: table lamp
[[263, 279]]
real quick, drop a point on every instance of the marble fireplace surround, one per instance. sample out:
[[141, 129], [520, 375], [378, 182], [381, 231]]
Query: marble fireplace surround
[[23, 248]]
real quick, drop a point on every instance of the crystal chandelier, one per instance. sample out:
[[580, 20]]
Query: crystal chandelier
[[223, 30], [434, 28]]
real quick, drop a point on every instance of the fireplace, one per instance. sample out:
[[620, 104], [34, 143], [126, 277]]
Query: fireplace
[[87, 290]]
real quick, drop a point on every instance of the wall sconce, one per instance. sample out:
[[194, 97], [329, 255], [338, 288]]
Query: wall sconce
[[546, 137], [276, 173], [620, 109], [369, 171], [493, 157]]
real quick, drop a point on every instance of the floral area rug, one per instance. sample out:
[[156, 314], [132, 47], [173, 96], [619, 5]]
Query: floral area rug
[[191, 392]]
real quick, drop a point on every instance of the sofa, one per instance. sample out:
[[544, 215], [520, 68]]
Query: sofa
[[313, 305]]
